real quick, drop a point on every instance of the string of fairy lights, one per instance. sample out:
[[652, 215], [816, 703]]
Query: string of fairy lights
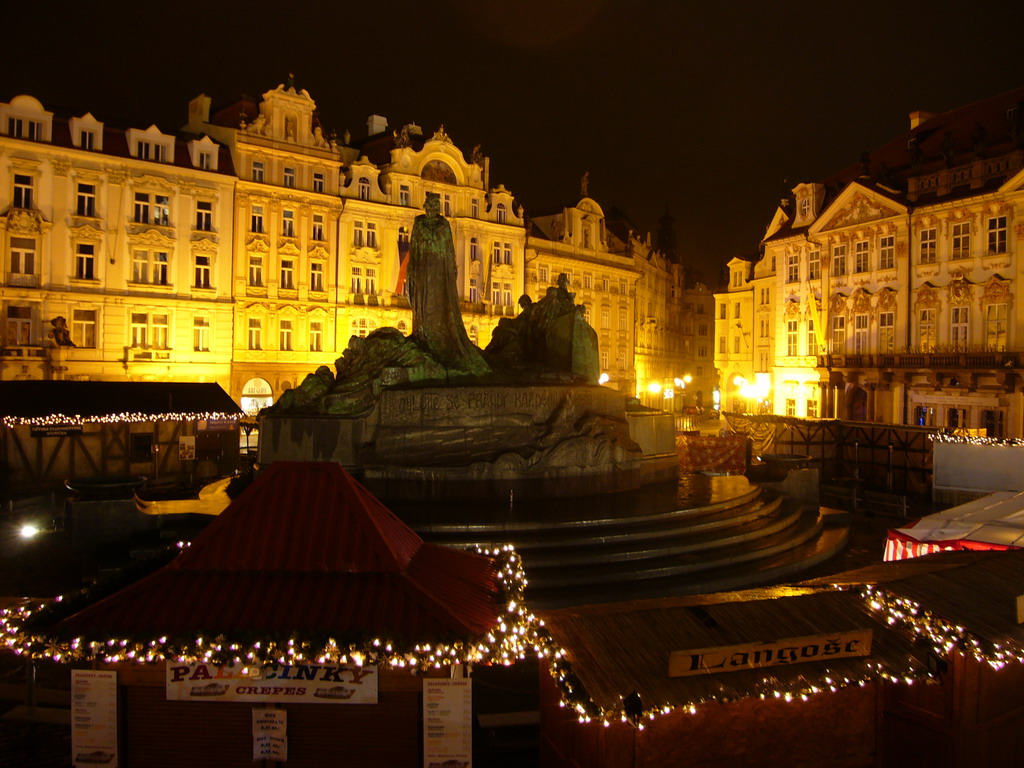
[[516, 633], [127, 417], [943, 437]]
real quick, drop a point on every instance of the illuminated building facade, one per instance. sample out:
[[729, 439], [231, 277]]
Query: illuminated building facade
[[894, 283], [248, 247], [116, 250]]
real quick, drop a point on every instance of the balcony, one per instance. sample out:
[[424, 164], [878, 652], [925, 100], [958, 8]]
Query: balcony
[[148, 355], [966, 359], [23, 352], [22, 280]]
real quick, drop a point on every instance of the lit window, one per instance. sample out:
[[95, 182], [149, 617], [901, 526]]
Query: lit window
[[83, 328], [997, 235], [255, 333], [287, 274], [961, 241], [204, 215], [364, 188], [201, 334], [22, 191], [85, 200], [287, 223], [256, 219], [887, 252], [255, 270], [285, 329], [202, 271], [316, 336], [927, 246], [316, 277]]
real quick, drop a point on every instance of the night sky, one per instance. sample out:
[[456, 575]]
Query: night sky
[[708, 110]]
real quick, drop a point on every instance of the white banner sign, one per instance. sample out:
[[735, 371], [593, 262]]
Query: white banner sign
[[270, 735], [306, 683], [447, 723], [93, 718]]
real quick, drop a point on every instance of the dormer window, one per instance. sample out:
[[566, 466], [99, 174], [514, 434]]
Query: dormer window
[[86, 139], [22, 128], [146, 150], [502, 213], [25, 118], [364, 188], [805, 207], [86, 133], [204, 161]]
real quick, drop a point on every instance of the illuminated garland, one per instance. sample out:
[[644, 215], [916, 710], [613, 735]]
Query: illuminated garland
[[516, 633], [942, 635], [60, 419], [943, 437]]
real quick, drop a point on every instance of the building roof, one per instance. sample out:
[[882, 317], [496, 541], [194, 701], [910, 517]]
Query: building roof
[[305, 550], [41, 399]]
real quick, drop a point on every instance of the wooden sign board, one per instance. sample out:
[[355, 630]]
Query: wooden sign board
[[793, 650]]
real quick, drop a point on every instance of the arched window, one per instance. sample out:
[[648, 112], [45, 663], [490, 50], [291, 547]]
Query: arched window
[[402, 326], [362, 326], [502, 213], [364, 188]]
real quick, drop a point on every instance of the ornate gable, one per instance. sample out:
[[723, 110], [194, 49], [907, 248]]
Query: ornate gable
[[856, 205]]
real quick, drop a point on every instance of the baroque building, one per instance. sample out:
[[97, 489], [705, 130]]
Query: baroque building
[[893, 284], [250, 246]]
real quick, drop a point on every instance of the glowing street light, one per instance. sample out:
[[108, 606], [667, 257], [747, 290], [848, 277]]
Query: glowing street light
[[29, 531], [604, 378]]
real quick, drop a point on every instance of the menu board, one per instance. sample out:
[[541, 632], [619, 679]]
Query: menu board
[[447, 723], [93, 718], [270, 735]]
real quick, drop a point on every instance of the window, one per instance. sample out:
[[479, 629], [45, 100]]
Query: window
[[735, 345], [22, 191], [474, 250], [838, 333], [838, 260], [887, 252], [362, 327], [287, 275], [736, 310], [623, 287], [205, 161], [605, 319], [474, 208], [318, 181], [285, 333], [496, 252], [496, 293], [358, 234], [793, 268], [85, 200], [258, 171], [860, 333], [721, 345], [140, 448], [812, 338], [287, 223], [316, 336], [702, 329], [152, 209], [149, 267], [364, 188], [204, 215], [289, 177], [956, 418], [23, 256], [926, 329], [997, 234], [316, 277], [147, 150], [318, 227], [924, 416], [371, 281], [371, 235], [202, 271], [604, 283], [255, 333], [19, 326], [860, 256], [959, 318], [792, 331], [812, 409], [474, 290], [623, 320], [814, 265], [506, 295], [149, 331], [992, 420], [85, 261], [790, 406], [357, 280], [995, 326], [256, 219], [542, 274], [255, 270], [886, 332], [508, 254], [446, 205], [86, 140], [23, 128], [403, 195], [927, 246], [201, 334], [83, 328], [722, 311], [502, 213], [961, 246]]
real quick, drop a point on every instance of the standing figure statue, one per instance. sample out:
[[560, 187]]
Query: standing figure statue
[[433, 292]]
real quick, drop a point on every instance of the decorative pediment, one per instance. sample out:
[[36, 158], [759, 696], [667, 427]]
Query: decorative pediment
[[318, 252], [860, 301], [856, 205], [886, 300], [86, 232], [837, 303], [792, 310], [204, 245], [366, 255], [151, 237], [960, 291], [777, 221], [257, 244], [927, 297], [153, 182], [997, 290], [288, 248], [21, 221]]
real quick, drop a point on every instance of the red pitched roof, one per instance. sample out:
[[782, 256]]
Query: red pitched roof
[[306, 549]]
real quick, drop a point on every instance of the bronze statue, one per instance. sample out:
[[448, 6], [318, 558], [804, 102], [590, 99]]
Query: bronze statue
[[60, 334], [436, 317]]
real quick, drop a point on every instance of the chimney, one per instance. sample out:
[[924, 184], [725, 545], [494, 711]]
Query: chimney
[[376, 124], [199, 111], [919, 116]]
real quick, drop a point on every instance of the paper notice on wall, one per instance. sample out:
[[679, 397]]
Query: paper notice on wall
[[447, 723], [93, 718], [187, 448], [270, 734]]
